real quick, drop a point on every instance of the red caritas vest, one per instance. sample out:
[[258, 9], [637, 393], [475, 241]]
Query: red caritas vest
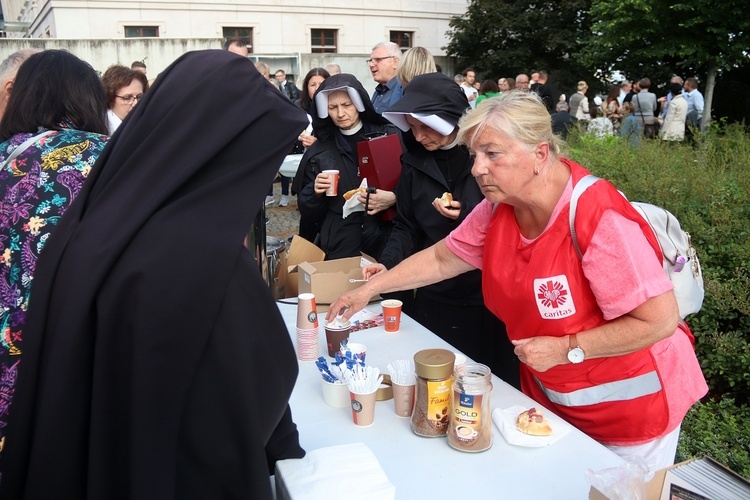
[[540, 290]]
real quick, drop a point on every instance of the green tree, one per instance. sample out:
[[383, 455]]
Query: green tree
[[506, 37], [688, 35]]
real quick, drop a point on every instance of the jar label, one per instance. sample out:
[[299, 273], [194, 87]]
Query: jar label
[[468, 430], [438, 402]]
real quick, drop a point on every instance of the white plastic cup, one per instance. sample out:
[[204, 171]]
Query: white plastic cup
[[336, 395]]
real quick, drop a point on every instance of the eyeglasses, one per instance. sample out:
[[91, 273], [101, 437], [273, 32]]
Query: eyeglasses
[[377, 60], [130, 99]]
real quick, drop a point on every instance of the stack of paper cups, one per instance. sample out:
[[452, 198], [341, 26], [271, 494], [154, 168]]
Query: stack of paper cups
[[308, 340]]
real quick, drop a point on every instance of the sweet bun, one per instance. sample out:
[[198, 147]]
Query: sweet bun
[[446, 200], [352, 192], [533, 422]]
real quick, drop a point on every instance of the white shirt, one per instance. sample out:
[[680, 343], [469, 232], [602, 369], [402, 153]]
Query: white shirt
[[470, 91], [113, 121]]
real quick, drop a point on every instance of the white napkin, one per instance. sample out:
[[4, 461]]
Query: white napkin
[[336, 472], [505, 420], [353, 204]]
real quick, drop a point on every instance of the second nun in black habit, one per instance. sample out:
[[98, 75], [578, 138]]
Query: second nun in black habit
[[434, 163], [156, 363]]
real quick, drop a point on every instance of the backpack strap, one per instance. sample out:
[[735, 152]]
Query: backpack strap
[[23, 147], [582, 185]]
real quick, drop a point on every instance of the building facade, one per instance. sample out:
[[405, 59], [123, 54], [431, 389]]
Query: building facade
[[288, 34]]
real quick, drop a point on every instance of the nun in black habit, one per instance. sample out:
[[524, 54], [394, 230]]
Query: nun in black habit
[[156, 364], [434, 163], [338, 133]]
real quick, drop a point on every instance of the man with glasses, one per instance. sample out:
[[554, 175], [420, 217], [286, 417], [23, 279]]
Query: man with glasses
[[522, 82], [287, 87], [383, 63]]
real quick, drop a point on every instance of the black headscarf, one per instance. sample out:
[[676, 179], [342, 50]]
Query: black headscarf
[[155, 362], [433, 94]]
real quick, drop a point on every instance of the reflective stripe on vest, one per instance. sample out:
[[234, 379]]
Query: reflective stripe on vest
[[621, 390]]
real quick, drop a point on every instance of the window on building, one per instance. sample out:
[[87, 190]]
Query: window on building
[[244, 34], [402, 39], [323, 41], [141, 31]]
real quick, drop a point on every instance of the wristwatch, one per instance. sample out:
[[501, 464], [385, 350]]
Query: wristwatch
[[575, 353]]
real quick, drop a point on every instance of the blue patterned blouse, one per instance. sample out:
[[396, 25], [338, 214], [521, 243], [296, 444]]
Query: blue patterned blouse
[[35, 190]]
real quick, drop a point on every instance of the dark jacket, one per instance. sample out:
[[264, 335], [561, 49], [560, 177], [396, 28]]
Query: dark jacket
[[290, 90], [561, 123], [357, 233], [545, 94], [418, 225]]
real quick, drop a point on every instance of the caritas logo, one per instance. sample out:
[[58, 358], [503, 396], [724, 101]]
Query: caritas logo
[[553, 297]]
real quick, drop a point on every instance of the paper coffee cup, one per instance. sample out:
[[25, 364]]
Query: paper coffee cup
[[392, 315], [334, 337], [459, 362], [308, 344], [333, 175], [363, 408], [403, 399], [307, 312]]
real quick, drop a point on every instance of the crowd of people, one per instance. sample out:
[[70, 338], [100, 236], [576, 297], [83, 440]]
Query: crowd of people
[[630, 109], [120, 374]]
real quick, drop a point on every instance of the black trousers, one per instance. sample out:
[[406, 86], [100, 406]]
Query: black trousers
[[473, 330]]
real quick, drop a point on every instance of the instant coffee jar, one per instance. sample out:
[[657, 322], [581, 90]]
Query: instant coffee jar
[[471, 417], [433, 393]]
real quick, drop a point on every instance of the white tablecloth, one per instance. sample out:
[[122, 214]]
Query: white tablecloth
[[428, 468]]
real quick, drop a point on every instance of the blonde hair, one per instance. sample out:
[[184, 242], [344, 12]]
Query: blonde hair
[[519, 115], [416, 61], [582, 85]]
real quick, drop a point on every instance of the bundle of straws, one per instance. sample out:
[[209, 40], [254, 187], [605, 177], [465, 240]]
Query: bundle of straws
[[363, 379], [402, 372]]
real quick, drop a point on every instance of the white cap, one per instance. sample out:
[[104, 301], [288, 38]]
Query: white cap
[[433, 121], [321, 100], [598, 101]]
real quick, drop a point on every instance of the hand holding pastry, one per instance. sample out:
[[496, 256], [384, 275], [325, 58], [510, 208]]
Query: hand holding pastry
[[447, 206], [352, 192]]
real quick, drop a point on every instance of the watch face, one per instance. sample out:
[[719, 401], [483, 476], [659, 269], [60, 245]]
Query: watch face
[[576, 355]]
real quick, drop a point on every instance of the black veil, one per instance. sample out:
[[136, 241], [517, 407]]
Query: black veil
[[156, 364]]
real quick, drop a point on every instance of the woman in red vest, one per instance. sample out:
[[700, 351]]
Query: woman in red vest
[[599, 338]]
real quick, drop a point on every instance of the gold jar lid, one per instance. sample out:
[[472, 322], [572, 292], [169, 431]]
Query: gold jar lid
[[434, 363]]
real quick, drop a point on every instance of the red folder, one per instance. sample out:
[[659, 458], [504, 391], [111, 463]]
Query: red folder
[[379, 160]]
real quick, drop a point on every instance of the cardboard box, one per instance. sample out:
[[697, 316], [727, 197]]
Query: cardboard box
[[658, 488], [300, 250], [329, 279]]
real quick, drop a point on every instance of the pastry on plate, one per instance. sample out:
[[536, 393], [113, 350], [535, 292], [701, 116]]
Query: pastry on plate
[[533, 422]]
